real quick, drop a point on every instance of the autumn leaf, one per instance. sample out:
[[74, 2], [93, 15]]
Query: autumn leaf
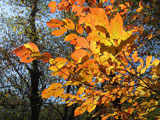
[[53, 6], [82, 42], [32, 47], [24, 53], [135, 57], [80, 90], [45, 57], [54, 89], [140, 7], [60, 62], [78, 54], [80, 110], [21, 51], [55, 86], [79, 28], [54, 23], [112, 1], [70, 37], [69, 24], [59, 32], [92, 106]]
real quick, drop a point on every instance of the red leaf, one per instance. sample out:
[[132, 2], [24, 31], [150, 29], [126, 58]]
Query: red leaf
[[45, 57]]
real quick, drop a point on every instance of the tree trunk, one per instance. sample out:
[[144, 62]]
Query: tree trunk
[[35, 100]]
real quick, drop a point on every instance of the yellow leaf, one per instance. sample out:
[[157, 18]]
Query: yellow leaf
[[92, 106], [141, 65], [60, 62], [80, 110], [81, 90], [148, 60], [123, 99], [32, 47]]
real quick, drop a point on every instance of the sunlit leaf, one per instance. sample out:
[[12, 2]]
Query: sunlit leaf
[[69, 24], [80, 110], [32, 47], [82, 42], [59, 32], [53, 6], [80, 90], [45, 57], [78, 54], [54, 23], [92, 106], [70, 37], [79, 28]]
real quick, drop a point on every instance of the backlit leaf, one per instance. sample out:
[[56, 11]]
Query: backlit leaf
[[70, 37], [32, 47], [80, 110], [53, 6], [82, 42], [69, 24], [59, 32], [78, 54], [54, 23], [92, 106], [45, 57], [80, 90], [55, 86], [135, 57], [79, 28]]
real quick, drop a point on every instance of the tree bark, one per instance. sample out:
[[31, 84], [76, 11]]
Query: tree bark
[[35, 99]]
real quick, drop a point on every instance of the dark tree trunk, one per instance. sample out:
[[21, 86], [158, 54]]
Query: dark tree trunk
[[35, 100]]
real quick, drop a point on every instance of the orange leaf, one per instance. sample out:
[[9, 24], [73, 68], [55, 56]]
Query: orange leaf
[[45, 57], [60, 62], [26, 58], [135, 57], [55, 86], [54, 23], [32, 47], [69, 24], [79, 28], [47, 93], [58, 92], [140, 7], [78, 54], [24, 53], [105, 117], [80, 2], [82, 42], [21, 51], [59, 32], [112, 1], [70, 37], [148, 60], [53, 6], [80, 90], [80, 110]]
